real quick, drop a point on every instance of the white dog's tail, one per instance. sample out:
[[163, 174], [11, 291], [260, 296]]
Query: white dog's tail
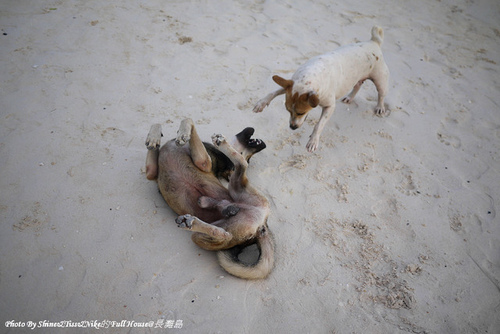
[[377, 35], [228, 259]]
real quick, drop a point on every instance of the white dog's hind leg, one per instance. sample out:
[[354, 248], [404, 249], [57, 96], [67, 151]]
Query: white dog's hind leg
[[382, 91], [380, 78], [349, 97]]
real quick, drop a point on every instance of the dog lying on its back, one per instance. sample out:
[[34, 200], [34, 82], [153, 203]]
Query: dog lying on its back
[[324, 79], [222, 219]]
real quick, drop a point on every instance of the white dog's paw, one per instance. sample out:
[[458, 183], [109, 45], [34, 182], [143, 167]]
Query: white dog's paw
[[346, 99], [218, 139], [184, 221], [260, 105], [382, 112], [313, 144]]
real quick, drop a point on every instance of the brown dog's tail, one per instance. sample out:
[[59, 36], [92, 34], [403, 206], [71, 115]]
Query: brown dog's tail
[[229, 260], [377, 35]]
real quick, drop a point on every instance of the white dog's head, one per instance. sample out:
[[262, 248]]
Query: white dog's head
[[297, 105]]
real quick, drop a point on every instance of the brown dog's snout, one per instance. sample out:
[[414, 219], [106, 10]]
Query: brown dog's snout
[[294, 126]]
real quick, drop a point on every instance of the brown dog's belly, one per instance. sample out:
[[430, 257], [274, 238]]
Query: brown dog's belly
[[181, 183]]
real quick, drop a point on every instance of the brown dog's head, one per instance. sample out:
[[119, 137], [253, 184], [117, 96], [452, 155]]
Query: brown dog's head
[[297, 105], [246, 145]]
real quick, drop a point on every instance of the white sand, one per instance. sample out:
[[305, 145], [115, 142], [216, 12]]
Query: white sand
[[390, 227]]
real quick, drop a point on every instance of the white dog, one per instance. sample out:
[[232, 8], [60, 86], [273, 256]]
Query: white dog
[[324, 79]]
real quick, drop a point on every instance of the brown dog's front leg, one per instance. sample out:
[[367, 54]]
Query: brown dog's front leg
[[239, 178], [199, 155]]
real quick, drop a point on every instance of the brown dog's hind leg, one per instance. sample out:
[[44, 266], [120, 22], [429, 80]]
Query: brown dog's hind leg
[[226, 208], [207, 236], [207, 242], [199, 155], [153, 142]]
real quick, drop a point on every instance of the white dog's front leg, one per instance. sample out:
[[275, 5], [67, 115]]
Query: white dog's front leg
[[262, 103], [313, 143]]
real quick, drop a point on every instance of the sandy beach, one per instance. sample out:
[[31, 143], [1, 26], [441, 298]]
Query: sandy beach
[[389, 227]]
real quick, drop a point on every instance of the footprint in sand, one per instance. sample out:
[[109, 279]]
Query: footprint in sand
[[452, 123], [404, 179], [112, 133], [378, 279], [34, 220], [449, 140]]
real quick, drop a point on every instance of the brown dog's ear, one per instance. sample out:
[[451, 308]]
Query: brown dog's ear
[[313, 99], [283, 82]]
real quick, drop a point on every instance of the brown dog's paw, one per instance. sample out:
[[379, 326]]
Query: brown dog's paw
[[181, 140], [205, 202], [230, 210], [218, 139], [153, 140], [185, 221]]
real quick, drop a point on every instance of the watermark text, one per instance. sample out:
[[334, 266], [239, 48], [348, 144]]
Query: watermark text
[[95, 324]]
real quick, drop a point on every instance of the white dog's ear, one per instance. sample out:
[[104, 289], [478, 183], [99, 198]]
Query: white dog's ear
[[283, 82], [313, 99]]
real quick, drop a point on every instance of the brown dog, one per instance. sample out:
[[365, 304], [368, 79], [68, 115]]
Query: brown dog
[[222, 219]]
